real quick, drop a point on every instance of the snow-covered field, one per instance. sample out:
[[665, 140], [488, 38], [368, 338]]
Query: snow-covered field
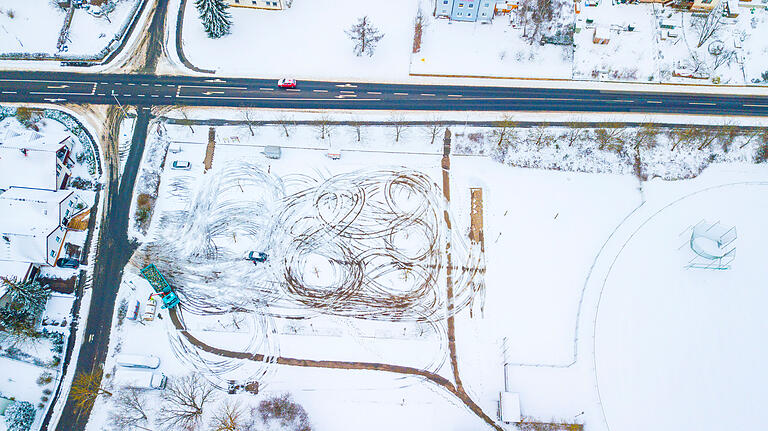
[[87, 36], [585, 284], [307, 41]]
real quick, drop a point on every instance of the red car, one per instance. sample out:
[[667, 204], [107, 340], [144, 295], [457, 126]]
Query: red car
[[286, 83]]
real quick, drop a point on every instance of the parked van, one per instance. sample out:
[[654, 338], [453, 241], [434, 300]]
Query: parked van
[[138, 361], [140, 379], [272, 152]]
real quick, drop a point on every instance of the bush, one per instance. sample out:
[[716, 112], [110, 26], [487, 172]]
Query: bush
[[762, 154], [122, 311], [765, 76], [144, 201], [142, 215], [19, 416], [282, 408], [45, 378]]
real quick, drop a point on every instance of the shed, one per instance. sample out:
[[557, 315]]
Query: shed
[[732, 8], [510, 407], [272, 152], [601, 35]]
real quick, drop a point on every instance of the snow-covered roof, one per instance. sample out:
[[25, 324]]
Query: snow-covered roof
[[510, 407], [34, 167], [27, 217]]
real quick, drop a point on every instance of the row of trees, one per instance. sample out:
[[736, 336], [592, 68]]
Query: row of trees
[[185, 404]]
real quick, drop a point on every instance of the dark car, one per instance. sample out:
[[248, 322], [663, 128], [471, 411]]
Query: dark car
[[66, 262], [257, 257]]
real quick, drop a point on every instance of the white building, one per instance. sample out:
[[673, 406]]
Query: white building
[[33, 160], [33, 225]]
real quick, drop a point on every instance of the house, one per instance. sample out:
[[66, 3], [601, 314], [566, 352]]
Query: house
[[33, 225], [467, 10], [33, 160], [257, 4], [601, 35]]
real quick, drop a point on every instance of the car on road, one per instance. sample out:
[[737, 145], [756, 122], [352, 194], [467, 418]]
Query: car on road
[[257, 257], [286, 83], [66, 262], [181, 165]]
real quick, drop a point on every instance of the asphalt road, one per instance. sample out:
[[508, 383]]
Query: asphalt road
[[61, 87], [114, 252]]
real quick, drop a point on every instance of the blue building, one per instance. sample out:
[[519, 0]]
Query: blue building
[[466, 10]]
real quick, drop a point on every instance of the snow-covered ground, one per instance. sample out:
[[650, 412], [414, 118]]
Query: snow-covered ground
[[87, 36], [580, 288], [307, 41]]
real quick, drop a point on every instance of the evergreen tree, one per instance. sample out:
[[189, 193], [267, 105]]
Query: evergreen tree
[[29, 296], [215, 18], [365, 36], [19, 416], [17, 322]]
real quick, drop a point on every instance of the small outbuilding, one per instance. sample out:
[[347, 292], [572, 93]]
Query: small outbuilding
[[273, 152], [509, 404]]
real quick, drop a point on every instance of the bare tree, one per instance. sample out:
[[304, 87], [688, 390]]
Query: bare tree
[[365, 36], [229, 417], [131, 410], [282, 409], [287, 124], [539, 136], [86, 387], [708, 26], [575, 133], [324, 126], [418, 30], [186, 121], [611, 137], [357, 127], [184, 400], [503, 132], [722, 57], [754, 132], [249, 120], [433, 129], [534, 16], [683, 136], [646, 136], [398, 124]]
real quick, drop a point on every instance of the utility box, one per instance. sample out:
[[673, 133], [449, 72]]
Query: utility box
[[273, 152]]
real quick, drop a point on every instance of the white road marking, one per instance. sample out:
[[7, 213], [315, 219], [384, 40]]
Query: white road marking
[[756, 106], [9, 92], [57, 86], [622, 101], [118, 83], [167, 96], [344, 96], [427, 94], [284, 99], [400, 94], [266, 89], [347, 92], [145, 85], [154, 95], [158, 85], [215, 80], [126, 95], [208, 93], [142, 95], [454, 95], [169, 85], [319, 91], [292, 89], [702, 103], [101, 94], [60, 93], [653, 101], [374, 92], [131, 84], [54, 100], [346, 85]]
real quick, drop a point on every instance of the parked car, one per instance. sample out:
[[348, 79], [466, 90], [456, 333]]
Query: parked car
[[66, 262], [257, 257], [286, 83], [181, 165], [140, 379]]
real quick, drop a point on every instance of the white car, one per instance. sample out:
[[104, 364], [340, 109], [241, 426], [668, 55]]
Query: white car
[[182, 165]]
